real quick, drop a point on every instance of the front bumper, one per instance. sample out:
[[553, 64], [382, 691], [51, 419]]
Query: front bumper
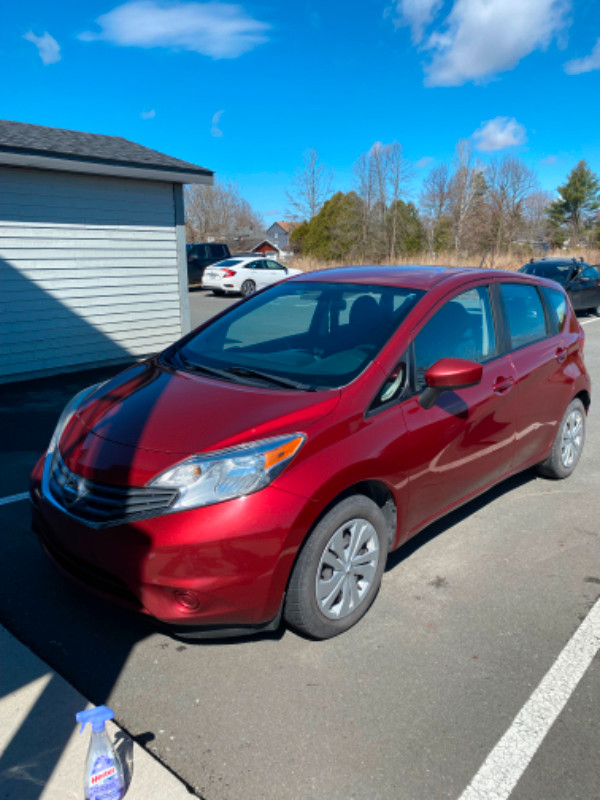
[[224, 565]]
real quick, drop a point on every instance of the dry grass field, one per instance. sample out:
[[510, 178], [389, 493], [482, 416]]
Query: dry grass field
[[508, 261]]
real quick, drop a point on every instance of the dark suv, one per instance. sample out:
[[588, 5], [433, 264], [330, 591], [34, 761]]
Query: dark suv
[[200, 255], [580, 280]]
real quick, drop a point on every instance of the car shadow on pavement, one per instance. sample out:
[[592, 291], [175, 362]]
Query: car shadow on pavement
[[459, 515]]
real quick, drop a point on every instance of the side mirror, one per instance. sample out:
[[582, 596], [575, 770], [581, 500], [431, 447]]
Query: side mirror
[[449, 374]]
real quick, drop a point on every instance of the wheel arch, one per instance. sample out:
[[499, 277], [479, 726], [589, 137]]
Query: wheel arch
[[585, 398]]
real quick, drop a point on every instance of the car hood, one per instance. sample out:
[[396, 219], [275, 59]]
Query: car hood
[[152, 407]]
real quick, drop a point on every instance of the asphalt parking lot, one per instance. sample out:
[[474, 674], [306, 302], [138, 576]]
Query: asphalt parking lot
[[462, 648]]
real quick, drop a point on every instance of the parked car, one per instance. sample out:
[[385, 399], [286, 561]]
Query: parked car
[[245, 274], [264, 465], [581, 281], [200, 255]]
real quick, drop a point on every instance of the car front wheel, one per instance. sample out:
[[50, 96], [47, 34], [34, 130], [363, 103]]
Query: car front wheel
[[248, 287], [568, 445], [338, 572]]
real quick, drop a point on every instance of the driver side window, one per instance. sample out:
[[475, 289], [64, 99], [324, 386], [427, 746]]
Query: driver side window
[[462, 328]]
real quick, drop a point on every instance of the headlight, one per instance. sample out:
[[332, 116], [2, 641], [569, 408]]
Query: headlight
[[68, 412], [206, 479]]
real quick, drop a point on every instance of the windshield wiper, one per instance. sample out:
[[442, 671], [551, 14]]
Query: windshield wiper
[[192, 366], [288, 383]]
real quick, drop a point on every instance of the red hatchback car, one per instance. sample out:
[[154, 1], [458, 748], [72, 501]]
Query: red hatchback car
[[264, 465]]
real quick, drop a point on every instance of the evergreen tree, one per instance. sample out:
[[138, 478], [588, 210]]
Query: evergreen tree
[[574, 211], [409, 230], [334, 233]]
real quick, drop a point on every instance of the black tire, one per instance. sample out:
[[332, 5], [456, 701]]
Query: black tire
[[248, 287], [323, 600], [568, 445]]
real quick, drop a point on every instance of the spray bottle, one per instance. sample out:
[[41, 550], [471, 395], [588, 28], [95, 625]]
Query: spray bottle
[[103, 772]]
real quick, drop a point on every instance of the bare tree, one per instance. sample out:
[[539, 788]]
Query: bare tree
[[435, 202], [382, 175], [535, 213], [467, 193], [509, 183], [220, 213], [365, 188], [399, 173], [311, 186]]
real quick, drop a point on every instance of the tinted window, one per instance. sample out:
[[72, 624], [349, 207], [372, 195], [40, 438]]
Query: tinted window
[[462, 328], [322, 334], [525, 313], [554, 272], [274, 265], [558, 304]]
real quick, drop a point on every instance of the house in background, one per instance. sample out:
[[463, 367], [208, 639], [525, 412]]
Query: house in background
[[279, 234], [93, 267], [267, 248]]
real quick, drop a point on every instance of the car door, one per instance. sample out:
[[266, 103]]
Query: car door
[[584, 289], [465, 442], [275, 271], [196, 262], [541, 349], [256, 271]]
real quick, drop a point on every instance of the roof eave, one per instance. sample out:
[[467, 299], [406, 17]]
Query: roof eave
[[60, 163]]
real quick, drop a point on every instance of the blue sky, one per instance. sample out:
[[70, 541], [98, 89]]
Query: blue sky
[[245, 89]]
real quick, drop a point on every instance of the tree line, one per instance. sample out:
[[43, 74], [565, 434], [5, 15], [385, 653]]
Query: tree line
[[464, 207]]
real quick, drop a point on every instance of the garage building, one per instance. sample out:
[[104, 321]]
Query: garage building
[[92, 250]]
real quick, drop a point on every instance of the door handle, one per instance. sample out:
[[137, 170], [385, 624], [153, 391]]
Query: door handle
[[503, 385], [561, 354]]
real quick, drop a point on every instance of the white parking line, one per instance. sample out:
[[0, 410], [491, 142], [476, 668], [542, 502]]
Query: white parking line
[[587, 321], [509, 759], [14, 498]]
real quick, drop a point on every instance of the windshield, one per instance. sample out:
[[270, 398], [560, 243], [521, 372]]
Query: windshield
[[554, 272], [299, 335]]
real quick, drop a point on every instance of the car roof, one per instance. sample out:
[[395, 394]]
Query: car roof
[[414, 276], [554, 262]]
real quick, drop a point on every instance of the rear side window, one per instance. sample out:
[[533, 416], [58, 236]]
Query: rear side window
[[462, 328], [558, 303], [525, 313]]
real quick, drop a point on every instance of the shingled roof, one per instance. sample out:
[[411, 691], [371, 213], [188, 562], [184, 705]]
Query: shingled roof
[[22, 144]]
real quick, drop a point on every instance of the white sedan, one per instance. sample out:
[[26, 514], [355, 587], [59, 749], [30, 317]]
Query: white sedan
[[244, 274]]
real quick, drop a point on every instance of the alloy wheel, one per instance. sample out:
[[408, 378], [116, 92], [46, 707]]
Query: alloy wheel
[[572, 438]]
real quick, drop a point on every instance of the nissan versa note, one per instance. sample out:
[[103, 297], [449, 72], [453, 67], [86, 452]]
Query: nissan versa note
[[263, 466]]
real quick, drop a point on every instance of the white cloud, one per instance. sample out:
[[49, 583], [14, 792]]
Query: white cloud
[[545, 162], [499, 133], [482, 38], [48, 47], [415, 14], [588, 64], [148, 114], [424, 162], [218, 30], [215, 130]]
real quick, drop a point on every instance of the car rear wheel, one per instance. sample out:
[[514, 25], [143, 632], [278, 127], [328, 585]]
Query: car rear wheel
[[338, 572], [248, 287], [568, 445]]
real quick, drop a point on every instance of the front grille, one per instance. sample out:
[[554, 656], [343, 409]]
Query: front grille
[[98, 504]]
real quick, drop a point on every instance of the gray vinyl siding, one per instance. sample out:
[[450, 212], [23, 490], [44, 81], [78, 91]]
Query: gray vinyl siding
[[89, 271]]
